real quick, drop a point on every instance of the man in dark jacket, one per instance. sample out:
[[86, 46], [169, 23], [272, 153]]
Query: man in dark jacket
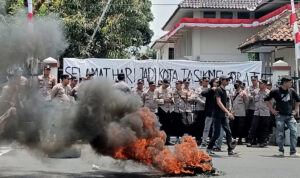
[[209, 95], [219, 117]]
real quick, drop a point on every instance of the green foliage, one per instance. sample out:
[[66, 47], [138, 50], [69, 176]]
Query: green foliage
[[149, 53], [253, 56], [123, 31]]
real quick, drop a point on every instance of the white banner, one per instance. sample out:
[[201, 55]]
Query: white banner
[[155, 70]]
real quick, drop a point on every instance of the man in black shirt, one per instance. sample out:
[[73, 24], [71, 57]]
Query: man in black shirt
[[287, 106], [219, 117]]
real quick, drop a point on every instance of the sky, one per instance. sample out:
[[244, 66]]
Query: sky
[[162, 11]]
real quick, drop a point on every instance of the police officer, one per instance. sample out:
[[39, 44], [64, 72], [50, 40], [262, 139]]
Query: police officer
[[139, 90], [148, 98], [251, 105], [189, 104], [62, 91], [269, 86], [200, 100], [89, 75], [179, 98], [163, 97], [159, 83], [121, 85], [239, 103], [260, 122], [14, 91], [74, 87], [46, 82]]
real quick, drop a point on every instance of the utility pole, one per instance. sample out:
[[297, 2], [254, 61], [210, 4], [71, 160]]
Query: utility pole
[[98, 24]]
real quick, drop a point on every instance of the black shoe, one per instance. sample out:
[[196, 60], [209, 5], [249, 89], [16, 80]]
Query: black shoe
[[217, 150], [262, 145], [232, 153]]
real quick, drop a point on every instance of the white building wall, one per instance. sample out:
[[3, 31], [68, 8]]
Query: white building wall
[[288, 55], [163, 52], [214, 44]]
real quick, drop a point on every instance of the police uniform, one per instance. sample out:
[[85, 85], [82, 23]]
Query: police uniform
[[138, 92], [148, 100], [61, 92], [179, 97], [199, 114], [164, 108], [188, 117], [260, 122], [239, 104], [46, 84], [122, 86], [250, 108]]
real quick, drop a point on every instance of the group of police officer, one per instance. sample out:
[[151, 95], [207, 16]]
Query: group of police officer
[[184, 110], [248, 111], [65, 91]]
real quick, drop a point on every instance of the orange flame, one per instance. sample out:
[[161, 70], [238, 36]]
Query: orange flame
[[152, 150]]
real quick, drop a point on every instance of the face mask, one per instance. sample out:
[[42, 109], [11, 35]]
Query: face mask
[[236, 86]]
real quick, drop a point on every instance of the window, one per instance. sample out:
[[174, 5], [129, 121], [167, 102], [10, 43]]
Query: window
[[226, 15], [171, 53], [209, 14], [243, 15]]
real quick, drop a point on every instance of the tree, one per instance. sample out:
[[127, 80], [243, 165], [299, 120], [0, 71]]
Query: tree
[[123, 31]]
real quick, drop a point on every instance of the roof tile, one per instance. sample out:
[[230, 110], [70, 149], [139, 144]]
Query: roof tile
[[279, 30], [220, 4]]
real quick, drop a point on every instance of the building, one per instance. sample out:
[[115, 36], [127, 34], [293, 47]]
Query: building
[[212, 30], [275, 42]]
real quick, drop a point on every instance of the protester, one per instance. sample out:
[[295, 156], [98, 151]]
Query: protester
[[46, 82], [209, 94], [287, 106], [239, 103], [260, 122], [219, 115]]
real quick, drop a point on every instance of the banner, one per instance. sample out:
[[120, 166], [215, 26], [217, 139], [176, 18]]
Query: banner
[[155, 70]]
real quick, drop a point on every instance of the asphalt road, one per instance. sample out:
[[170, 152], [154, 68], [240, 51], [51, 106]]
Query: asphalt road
[[253, 162]]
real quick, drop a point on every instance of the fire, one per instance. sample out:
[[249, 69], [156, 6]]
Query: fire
[[152, 151]]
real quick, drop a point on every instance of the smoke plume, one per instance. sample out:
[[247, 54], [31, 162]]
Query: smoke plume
[[106, 118], [40, 38]]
